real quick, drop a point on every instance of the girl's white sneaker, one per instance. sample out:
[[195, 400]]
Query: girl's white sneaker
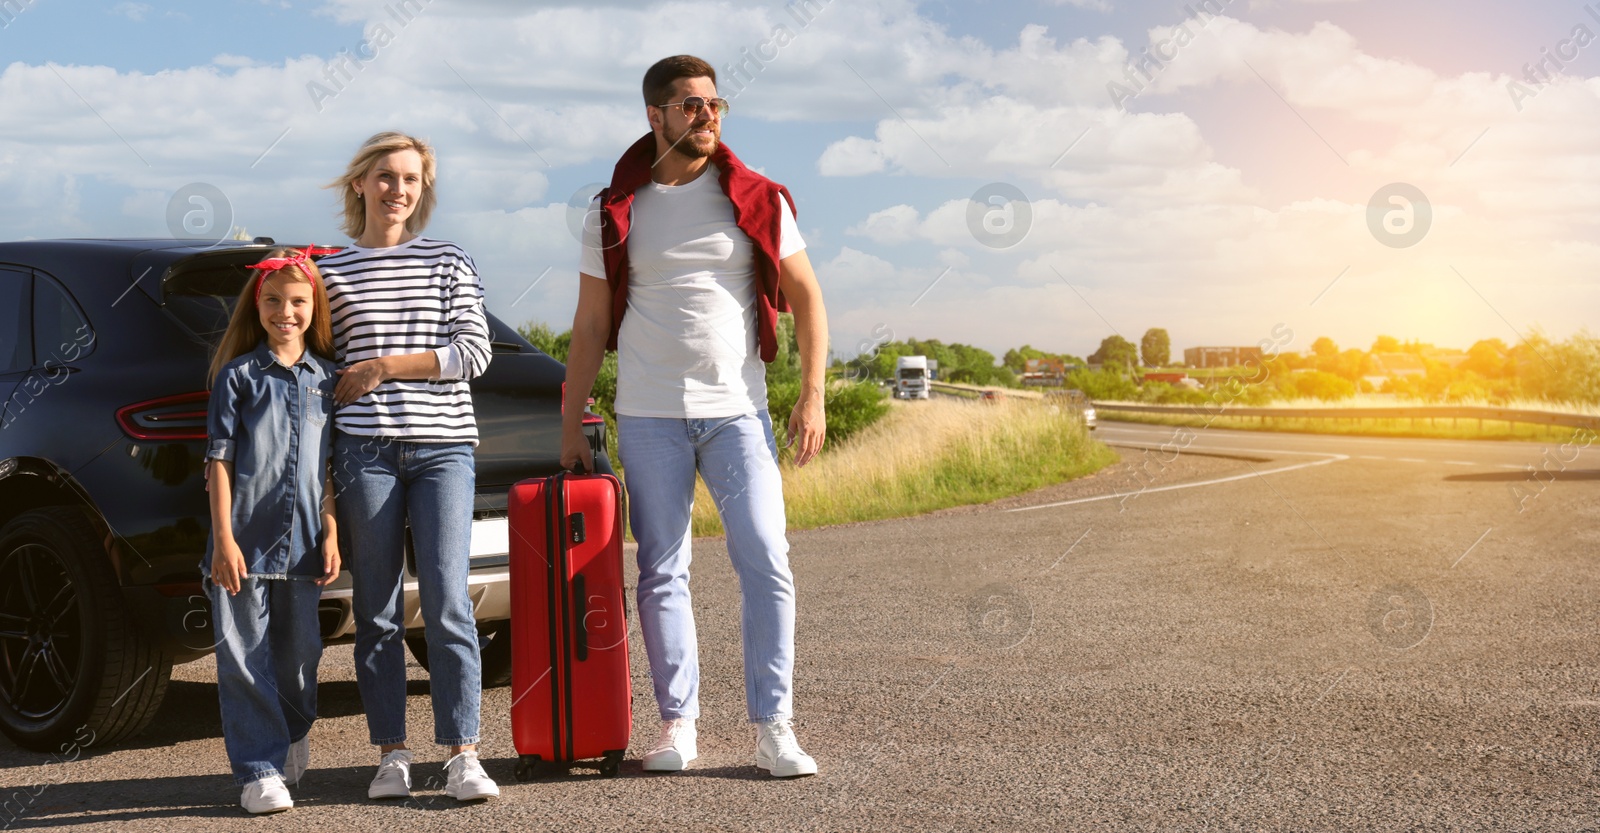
[[268, 795], [297, 761]]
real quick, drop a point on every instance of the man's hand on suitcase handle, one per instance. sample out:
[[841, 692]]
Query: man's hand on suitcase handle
[[576, 455]]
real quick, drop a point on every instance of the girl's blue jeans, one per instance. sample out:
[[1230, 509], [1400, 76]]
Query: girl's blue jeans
[[268, 647]]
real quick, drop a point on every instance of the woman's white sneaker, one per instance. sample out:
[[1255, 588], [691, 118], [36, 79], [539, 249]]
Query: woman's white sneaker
[[675, 747], [394, 776], [779, 753], [465, 779], [268, 795]]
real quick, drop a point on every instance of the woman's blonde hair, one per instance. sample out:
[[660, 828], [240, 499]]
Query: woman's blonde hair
[[244, 328], [380, 145]]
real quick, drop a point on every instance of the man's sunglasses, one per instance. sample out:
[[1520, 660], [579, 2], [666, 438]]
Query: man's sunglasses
[[694, 103]]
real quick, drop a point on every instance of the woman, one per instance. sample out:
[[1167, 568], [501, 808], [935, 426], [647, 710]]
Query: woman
[[409, 331]]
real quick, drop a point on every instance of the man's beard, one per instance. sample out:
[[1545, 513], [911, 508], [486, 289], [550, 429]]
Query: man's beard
[[685, 145]]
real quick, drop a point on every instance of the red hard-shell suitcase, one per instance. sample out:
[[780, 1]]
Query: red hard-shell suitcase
[[572, 697]]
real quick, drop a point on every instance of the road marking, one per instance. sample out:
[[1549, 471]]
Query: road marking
[[1331, 458], [1410, 460], [1370, 457]]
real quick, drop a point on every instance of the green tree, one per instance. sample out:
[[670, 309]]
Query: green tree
[[1324, 348], [1156, 347], [1386, 344], [1566, 371], [1488, 358], [1116, 352]]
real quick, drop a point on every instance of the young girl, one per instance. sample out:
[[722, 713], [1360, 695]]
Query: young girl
[[273, 542]]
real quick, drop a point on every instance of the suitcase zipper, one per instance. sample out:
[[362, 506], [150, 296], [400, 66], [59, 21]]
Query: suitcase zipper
[[553, 547], [566, 620]]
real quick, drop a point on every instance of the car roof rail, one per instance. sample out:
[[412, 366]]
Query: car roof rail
[[265, 241]]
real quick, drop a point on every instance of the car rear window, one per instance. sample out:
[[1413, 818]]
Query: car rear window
[[201, 291], [59, 331], [16, 347]]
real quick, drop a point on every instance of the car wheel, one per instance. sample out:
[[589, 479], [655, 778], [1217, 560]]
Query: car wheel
[[494, 648], [73, 667]]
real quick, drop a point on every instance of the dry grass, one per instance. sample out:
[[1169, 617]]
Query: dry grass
[[930, 455]]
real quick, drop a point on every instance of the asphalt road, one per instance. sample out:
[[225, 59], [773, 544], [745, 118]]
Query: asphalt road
[[1235, 631]]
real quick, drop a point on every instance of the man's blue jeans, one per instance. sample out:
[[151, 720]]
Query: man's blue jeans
[[738, 459], [268, 647], [380, 484]]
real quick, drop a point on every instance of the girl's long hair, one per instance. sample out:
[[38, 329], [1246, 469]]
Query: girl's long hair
[[244, 328]]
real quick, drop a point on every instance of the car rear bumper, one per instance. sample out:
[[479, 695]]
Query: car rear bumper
[[488, 585], [489, 589]]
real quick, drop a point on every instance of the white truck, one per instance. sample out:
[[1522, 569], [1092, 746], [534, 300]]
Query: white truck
[[911, 377]]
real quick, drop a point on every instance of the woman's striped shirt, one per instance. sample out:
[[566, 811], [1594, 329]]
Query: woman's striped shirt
[[421, 295]]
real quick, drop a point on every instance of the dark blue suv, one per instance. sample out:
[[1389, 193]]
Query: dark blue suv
[[104, 346]]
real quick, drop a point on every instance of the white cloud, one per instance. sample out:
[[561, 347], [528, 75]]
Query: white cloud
[[895, 224], [1095, 5], [136, 12]]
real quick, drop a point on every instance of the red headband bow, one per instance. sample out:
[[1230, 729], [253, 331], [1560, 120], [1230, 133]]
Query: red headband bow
[[273, 264]]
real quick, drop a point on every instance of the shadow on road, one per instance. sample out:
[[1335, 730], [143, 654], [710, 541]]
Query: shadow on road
[[189, 712], [174, 799], [1521, 476]]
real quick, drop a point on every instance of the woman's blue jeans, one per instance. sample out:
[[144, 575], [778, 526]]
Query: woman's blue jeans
[[379, 485]]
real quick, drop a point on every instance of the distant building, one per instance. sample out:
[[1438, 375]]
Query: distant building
[[1448, 357], [1221, 356], [1395, 365]]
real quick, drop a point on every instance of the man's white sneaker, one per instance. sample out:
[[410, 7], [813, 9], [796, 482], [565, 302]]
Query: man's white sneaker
[[298, 760], [779, 753], [465, 779], [394, 776], [675, 748], [268, 795]]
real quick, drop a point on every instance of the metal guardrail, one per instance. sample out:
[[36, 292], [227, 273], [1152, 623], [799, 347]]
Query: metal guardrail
[[1477, 412], [1014, 393], [1411, 412]]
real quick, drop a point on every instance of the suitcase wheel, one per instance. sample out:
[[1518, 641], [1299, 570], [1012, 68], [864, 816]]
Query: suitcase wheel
[[527, 768], [609, 764]]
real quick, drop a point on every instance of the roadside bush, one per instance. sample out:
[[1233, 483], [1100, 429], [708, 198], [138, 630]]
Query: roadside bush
[[1165, 393], [849, 407], [1104, 385]]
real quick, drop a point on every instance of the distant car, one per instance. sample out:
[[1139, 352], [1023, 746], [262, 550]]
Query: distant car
[[991, 396], [104, 347], [1078, 400]]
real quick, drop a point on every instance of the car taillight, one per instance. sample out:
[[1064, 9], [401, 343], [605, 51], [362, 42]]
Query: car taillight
[[588, 418], [180, 417]]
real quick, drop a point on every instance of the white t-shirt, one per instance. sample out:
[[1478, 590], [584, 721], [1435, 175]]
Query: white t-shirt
[[688, 345]]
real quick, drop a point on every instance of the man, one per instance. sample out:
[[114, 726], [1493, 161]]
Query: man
[[684, 276]]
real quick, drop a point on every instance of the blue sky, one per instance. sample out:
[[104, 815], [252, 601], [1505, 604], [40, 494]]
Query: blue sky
[[1226, 199]]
